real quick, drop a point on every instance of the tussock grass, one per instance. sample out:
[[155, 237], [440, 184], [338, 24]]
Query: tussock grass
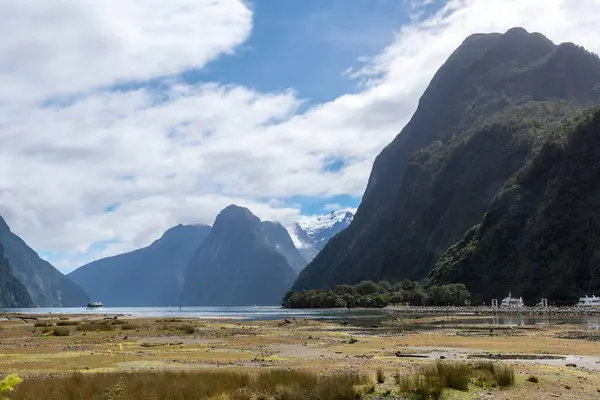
[[380, 375], [189, 329], [274, 384], [41, 324], [46, 329], [533, 379], [93, 326], [67, 323], [61, 331], [432, 379]]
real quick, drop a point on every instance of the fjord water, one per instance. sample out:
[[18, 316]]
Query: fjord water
[[238, 313], [356, 317]]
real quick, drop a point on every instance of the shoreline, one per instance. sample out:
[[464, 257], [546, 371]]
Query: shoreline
[[485, 310]]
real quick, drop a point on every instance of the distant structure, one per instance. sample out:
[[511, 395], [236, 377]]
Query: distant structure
[[512, 302], [495, 303], [589, 301], [543, 303]]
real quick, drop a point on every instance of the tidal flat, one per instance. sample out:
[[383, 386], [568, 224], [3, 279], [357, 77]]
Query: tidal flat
[[549, 360]]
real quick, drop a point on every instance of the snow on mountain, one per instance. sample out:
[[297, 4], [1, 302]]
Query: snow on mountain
[[312, 233]]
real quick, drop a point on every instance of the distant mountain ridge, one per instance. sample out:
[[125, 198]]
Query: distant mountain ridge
[[46, 286], [13, 294], [312, 234], [238, 264], [486, 113], [150, 276]]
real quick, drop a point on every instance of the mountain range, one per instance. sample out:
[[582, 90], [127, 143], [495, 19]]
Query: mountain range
[[489, 112]]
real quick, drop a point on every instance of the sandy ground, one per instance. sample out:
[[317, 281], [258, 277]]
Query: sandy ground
[[154, 344]]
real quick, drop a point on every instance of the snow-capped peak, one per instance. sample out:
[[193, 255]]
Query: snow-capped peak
[[314, 224], [311, 233]]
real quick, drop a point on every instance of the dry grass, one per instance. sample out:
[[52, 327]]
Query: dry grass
[[130, 327], [380, 375], [275, 384], [432, 379], [41, 324], [93, 326]]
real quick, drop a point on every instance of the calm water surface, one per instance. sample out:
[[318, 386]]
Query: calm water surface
[[361, 317]]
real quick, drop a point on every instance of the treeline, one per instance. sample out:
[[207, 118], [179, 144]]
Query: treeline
[[369, 294]]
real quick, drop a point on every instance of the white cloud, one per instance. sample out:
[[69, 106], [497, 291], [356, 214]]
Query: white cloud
[[50, 48], [195, 149]]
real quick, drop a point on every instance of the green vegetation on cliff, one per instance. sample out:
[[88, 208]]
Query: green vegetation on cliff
[[540, 234], [369, 294], [487, 112]]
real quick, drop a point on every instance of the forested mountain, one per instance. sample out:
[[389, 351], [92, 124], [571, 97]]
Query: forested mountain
[[488, 111], [151, 276], [237, 265], [541, 234], [45, 284], [12, 292]]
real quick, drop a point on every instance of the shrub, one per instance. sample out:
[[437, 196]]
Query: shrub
[[8, 384], [67, 323], [380, 375], [533, 379], [189, 329], [61, 331]]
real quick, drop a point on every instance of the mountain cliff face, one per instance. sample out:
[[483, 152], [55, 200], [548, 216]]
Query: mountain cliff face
[[237, 265], [541, 234], [487, 112], [12, 292], [45, 284], [313, 233], [151, 276], [284, 245]]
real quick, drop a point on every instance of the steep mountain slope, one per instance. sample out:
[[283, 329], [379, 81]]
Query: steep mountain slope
[[483, 116], [541, 234], [313, 233], [284, 245], [151, 276], [12, 292], [237, 264], [45, 284]]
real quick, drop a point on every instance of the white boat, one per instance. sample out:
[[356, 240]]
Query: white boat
[[512, 302], [94, 305], [589, 301]]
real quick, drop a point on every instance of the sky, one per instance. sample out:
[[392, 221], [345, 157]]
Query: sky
[[122, 118]]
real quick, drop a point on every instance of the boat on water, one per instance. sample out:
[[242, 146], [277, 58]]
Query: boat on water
[[512, 302], [589, 301], [94, 305]]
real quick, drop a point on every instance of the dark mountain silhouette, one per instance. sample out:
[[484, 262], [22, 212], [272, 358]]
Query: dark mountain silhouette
[[487, 111], [12, 292], [237, 264], [45, 284], [151, 276]]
